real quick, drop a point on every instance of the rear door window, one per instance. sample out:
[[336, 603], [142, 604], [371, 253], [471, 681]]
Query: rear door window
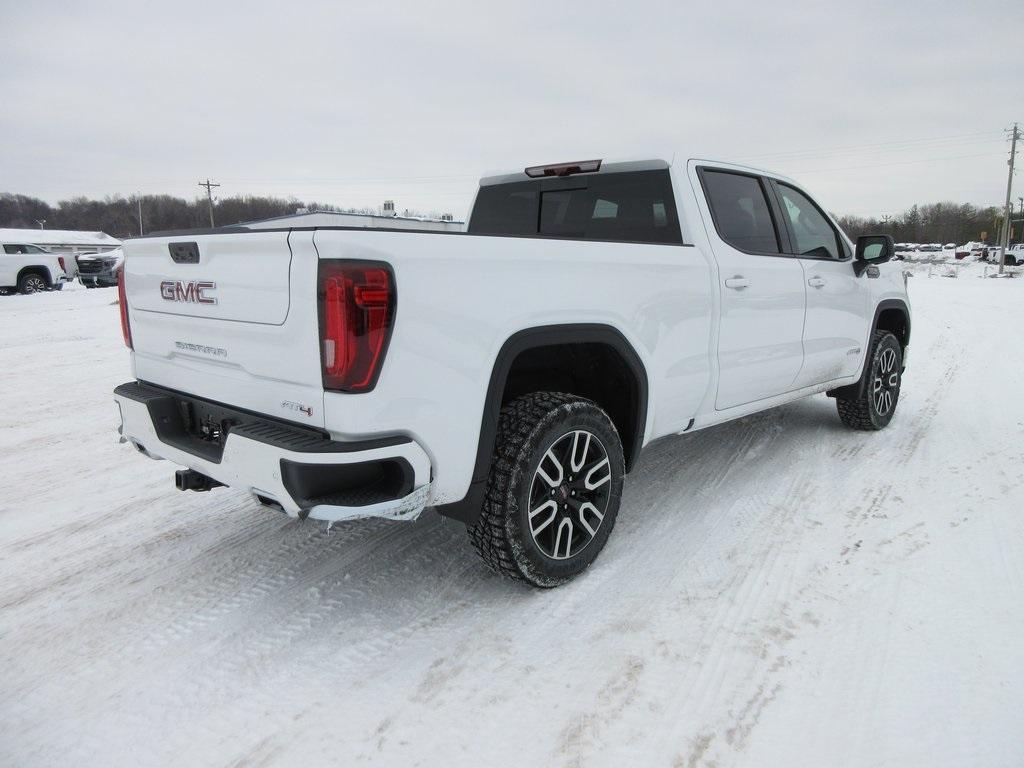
[[739, 207], [633, 206]]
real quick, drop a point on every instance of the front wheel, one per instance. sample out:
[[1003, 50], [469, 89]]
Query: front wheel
[[880, 392], [553, 490]]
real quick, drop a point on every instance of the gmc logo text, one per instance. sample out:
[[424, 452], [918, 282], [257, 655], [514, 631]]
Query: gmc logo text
[[191, 291]]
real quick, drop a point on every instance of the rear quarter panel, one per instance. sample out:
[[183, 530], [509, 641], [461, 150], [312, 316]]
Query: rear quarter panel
[[460, 297]]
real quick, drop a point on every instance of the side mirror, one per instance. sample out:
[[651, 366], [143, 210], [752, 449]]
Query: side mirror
[[872, 250]]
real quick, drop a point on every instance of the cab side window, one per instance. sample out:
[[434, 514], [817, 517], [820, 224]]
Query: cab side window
[[812, 233], [14, 249], [740, 210]]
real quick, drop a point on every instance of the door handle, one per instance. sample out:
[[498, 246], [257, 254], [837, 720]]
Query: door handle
[[737, 283], [816, 282]]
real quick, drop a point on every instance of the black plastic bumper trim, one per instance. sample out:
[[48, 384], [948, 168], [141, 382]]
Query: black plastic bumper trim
[[358, 484], [168, 408]]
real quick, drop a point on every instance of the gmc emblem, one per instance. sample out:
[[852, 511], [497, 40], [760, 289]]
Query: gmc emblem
[[190, 291]]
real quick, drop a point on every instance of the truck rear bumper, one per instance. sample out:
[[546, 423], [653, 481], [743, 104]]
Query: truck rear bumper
[[302, 471]]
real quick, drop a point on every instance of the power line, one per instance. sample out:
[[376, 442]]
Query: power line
[[896, 144], [904, 162]]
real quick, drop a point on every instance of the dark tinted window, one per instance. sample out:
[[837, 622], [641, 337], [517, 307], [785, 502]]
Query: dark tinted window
[[811, 231], [740, 209], [506, 209], [635, 206]]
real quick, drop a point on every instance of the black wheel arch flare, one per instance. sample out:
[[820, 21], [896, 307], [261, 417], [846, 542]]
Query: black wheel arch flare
[[468, 508], [855, 390]]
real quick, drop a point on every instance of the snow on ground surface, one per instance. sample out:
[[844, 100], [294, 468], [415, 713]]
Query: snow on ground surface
[[778, 591]]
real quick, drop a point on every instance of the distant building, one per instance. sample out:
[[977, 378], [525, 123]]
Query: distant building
[[388, 220], [62, 240]]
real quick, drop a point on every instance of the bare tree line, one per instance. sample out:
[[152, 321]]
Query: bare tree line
[[933, 223], [944, 222], [119, 216]]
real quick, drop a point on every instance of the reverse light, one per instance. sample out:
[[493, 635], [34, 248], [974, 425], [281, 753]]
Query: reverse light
[[357, 309], [563, 169], [122, 301]]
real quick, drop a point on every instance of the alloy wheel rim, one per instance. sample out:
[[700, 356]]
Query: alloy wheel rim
[[569, 494], [886, 382], [35, 285]]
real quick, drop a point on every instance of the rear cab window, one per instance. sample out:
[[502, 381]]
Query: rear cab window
[[627, 206]]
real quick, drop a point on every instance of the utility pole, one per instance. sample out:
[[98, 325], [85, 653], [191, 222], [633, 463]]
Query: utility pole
[[209, 195], [1007, 211], [41, 223], [138, 199]]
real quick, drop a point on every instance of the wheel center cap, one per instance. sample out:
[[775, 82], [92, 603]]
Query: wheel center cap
[[563, 492]]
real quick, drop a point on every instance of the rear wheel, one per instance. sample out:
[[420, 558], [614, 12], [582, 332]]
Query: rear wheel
[[32, 282], [880, 392], [553, 490]]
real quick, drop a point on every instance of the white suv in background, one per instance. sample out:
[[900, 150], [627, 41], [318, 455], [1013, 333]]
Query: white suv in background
[[29, 268]]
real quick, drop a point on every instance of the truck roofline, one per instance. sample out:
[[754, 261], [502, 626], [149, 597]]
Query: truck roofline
[[607, 166], [624, 165]]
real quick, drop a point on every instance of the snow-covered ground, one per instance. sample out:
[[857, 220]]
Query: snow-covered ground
[[778, 591]]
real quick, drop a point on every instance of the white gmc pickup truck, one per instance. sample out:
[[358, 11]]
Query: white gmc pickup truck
[[510, 375], [28, 268]]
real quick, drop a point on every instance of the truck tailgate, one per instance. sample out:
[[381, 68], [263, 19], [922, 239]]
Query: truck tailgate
[[231, 317]]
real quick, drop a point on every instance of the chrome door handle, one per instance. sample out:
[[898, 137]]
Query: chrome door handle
[[737, 283], [816, 282]]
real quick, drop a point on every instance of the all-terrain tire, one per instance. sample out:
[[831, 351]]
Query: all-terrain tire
[[513, 534], [32, 282], [880, 390]]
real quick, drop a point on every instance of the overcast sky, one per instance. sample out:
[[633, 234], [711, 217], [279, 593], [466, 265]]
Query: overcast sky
[[872, 106]]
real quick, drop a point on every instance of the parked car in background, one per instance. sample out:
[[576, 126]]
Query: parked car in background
[[28, 268], [930, 248], [1014, 255], [972, 251], [99, 270]]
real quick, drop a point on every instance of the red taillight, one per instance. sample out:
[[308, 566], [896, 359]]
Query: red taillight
[[122, 300], [60, 260], [357, 309]]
